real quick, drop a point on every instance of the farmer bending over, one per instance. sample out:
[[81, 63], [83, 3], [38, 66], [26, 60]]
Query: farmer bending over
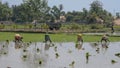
[[105, 38], [47, 38], [18, 37]]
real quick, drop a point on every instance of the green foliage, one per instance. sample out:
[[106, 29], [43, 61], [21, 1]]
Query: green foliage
[[30, 26], [36, 37], [117, 26], [75, 26], [96, 14], [14, 26], [2, 26], [44, 26], [5, 11], [39, 10], [57, 11], [96, 6], [96, 26], [30, 10]]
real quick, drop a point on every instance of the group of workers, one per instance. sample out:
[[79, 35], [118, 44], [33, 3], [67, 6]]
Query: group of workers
[[104, 38], [18, 38]]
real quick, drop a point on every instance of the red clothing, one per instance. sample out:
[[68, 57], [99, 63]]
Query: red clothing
[[17, 37]]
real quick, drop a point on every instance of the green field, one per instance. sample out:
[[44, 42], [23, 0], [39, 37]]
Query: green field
[[38, 37]]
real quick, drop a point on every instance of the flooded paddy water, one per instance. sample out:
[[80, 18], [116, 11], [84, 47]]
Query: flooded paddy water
[[59, 55]]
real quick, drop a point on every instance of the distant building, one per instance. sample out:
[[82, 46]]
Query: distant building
[[62, 18], [117, 21], [99, 20]]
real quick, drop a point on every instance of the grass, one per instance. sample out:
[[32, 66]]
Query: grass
[[38, 37]]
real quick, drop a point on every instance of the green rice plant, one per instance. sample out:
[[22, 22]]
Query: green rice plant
[[113, 61], [61, 37], [57, 55]]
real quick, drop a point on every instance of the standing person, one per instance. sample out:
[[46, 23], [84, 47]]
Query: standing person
[[47, 42], [112, 28], [79, 41], [79, 38], [105, 41]]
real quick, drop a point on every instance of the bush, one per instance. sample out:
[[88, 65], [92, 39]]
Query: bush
[[96, 26], [44, 26], [75, 26], [14, 26], [2, 26], [30, 26], [53, 25]]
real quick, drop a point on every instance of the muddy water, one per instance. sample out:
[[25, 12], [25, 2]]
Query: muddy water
[[61, 55]]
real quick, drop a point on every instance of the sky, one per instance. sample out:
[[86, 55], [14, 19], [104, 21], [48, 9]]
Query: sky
[[77, 5]]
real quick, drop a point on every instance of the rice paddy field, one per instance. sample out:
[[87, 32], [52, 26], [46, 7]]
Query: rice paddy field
[[33, 52], [63, 37], [59, 55]]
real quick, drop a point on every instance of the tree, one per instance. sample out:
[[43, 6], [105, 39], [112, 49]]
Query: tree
[[30, 10], [97, 13], [57, 12], [5, 11], [69, 17], [76, 16], [37, 8], [21, 13], [96, 7]]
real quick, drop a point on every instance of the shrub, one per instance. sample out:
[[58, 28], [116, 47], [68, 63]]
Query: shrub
[[30, 26], [75, 26], [2, 26], [96, 26], [14, 26]]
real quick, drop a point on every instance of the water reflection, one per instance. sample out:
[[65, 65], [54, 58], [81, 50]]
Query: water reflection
[[100, 46], [4, 48], [79, 45], [87, 57], [61, 55]]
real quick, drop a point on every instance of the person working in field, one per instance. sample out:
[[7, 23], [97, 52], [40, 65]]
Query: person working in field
[[48, 42], [18, 38], [79, 38], [105, 38], [79, 41], [47, 38]]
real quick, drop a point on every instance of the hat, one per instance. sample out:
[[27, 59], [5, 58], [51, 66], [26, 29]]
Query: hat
[[17, 34], [79, 34]]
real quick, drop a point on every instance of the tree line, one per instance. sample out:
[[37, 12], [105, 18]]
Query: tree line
[[39, 10]]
